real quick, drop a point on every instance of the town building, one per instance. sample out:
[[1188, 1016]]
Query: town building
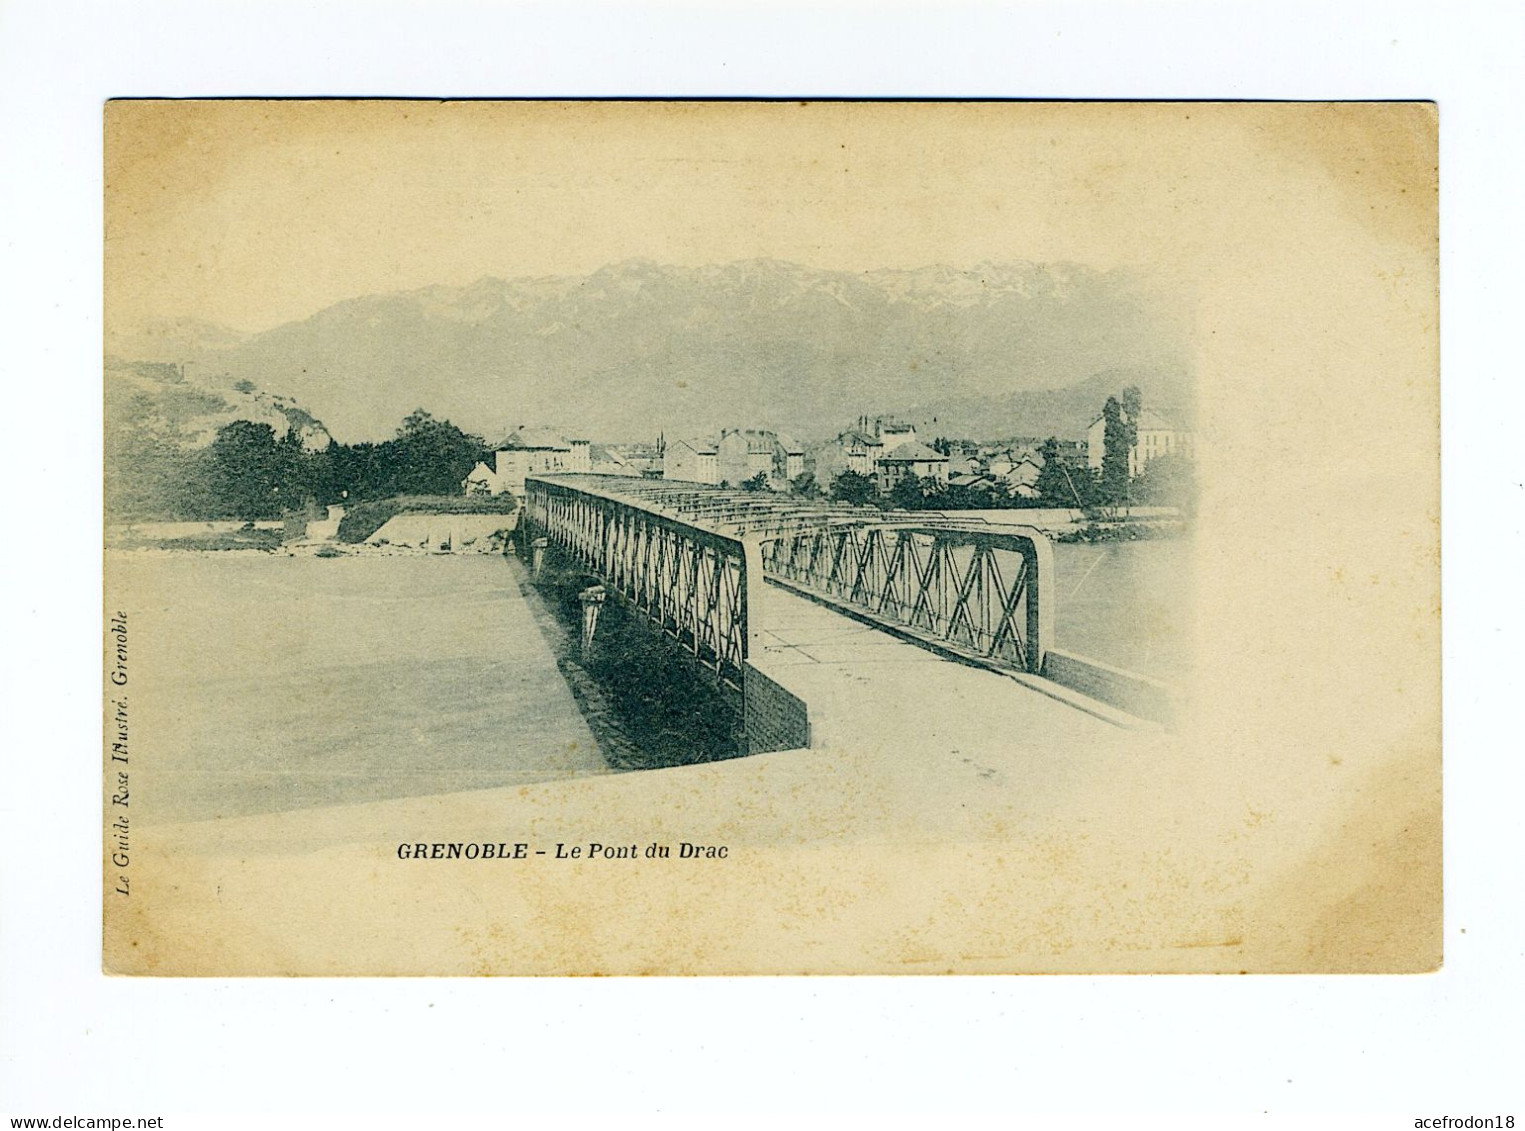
[[972, 481], [742, 454], [692, 460], [999, 463], [525, 452], [1020, 473], [908, 459], [789, 458], [964, 463], [609, 460], [892, 433], [483, 480], [863, 449], [854, 450], [1071, 452], [745, 453], [1155, 436]]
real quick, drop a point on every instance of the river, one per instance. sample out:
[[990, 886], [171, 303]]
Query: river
[[1126, 603], [263, 683]]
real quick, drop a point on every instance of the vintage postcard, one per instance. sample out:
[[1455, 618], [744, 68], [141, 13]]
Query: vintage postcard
[[770, 538]]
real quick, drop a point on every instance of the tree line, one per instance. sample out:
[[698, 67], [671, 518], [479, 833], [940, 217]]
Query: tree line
[[249, 472]]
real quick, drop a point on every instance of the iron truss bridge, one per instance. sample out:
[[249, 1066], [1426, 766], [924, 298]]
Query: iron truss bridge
[[693, 558]]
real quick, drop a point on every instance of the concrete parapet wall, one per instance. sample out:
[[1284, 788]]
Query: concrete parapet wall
[[775, 719], [466, 533], [1136, 694]]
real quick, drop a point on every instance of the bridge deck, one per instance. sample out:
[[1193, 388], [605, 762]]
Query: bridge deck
[[863, 685], [695, 558]]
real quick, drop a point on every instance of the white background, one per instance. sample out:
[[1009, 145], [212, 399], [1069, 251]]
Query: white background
[[72, 1041]]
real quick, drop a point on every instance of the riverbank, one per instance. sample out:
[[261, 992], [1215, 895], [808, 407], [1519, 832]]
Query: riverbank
[[1131, 530], [404, 534], [229, 535]]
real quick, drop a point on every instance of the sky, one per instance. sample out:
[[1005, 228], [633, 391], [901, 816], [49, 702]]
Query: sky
[[253, 213]]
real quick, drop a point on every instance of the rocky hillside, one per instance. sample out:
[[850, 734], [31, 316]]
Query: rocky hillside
[[177, 406], [158, 418]]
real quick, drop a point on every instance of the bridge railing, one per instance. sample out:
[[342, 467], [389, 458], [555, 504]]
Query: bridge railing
[[984, 594], [693, 559], [699, 585]]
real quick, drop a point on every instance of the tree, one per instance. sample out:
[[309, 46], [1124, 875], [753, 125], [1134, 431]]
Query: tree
[[354, 473], [909, 494], [1168, 480], [853, 487], [153, 469], [1133, 407], [758, 482], [249, 475], [1058, 485], [429, 456], [425, 457], [1116, 444], [323, 474], [805, 485]]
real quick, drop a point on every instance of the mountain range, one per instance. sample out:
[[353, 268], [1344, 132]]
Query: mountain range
[[637, 348]]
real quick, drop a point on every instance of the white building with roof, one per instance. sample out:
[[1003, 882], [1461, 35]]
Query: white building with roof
[[1156, 436], [891, 433], [483, 480], [745, 453], [527, 451], [855, 450], [908, 459], [691, 460]]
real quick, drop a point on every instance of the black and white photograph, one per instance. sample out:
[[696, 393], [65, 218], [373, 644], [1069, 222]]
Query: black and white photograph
[[705, 562], [759, 538]]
